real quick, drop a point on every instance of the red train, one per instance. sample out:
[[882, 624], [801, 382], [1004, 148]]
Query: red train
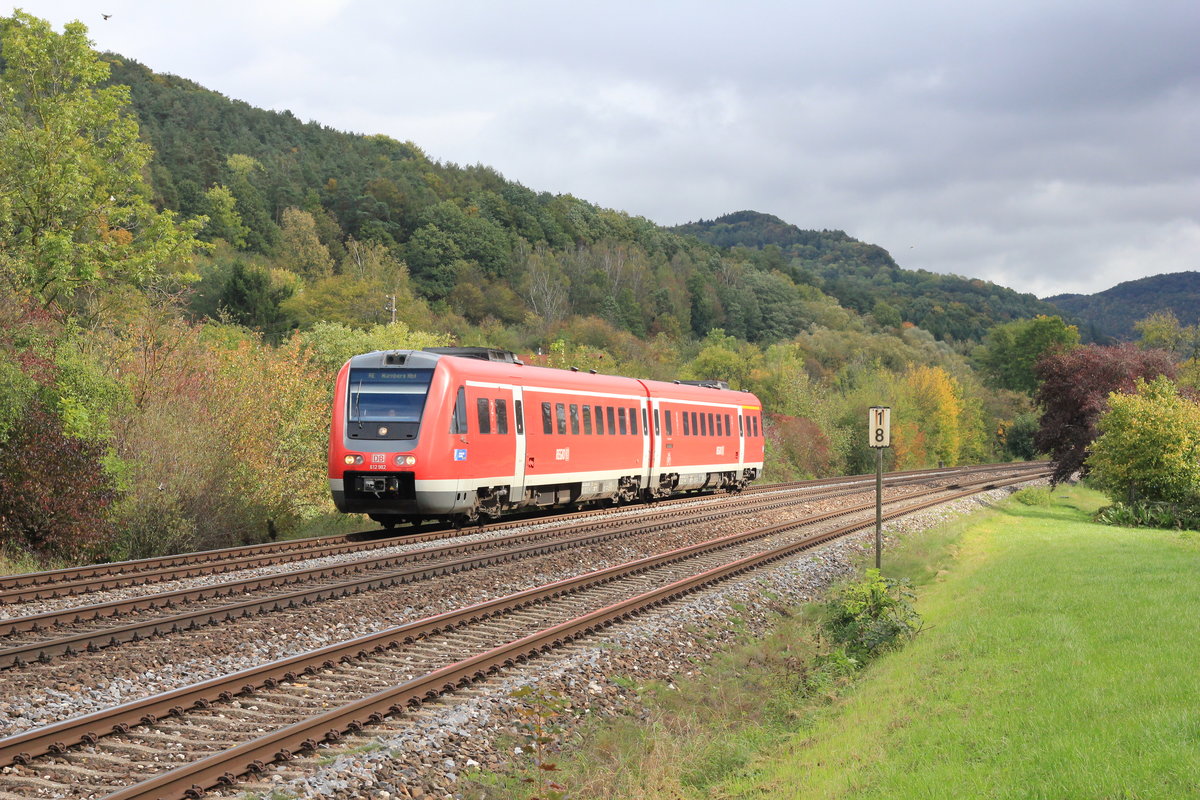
[[460, 433]]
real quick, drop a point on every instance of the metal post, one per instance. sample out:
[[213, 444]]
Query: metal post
[[879, 508]]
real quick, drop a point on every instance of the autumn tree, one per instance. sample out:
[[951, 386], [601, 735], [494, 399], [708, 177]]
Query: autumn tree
[[1074, 393], [74, 211], [1149, 445], [938, 409]]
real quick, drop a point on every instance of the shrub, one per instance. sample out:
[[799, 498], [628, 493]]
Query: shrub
[[53, 492], [872, 615], [1033, 496], [1148, 447], [1147, 514]]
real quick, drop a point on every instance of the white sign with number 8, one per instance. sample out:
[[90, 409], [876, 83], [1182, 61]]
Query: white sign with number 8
[[879, 426]]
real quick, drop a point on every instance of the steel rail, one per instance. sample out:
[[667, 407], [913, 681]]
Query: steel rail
[[42, 650], [89, 728], [224, 768], [18, 655], [97, 577]]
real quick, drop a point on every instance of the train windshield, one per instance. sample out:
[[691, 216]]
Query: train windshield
[[388, 395]]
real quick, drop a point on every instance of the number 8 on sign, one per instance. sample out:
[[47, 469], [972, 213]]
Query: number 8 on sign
[[879, 426]]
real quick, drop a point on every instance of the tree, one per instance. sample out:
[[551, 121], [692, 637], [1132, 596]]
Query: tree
[[1074, 393], [224, 222], [73, 203], [937, 401], [250, 299], [300, 248], [263, 233], [1010, 351], [1149, 445]]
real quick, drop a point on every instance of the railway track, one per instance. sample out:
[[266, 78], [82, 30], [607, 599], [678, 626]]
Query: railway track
[[98, 750], [39, 637], [83, 580]]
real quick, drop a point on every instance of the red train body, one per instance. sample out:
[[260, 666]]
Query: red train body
[[456, 434]]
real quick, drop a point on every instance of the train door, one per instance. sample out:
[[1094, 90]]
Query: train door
[[647, 471], [517, 493], [741, 452]]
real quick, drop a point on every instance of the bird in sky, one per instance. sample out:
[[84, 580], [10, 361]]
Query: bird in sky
[[106, 16]]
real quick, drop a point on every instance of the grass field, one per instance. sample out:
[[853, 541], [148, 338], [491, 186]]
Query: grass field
[[1060, 659]]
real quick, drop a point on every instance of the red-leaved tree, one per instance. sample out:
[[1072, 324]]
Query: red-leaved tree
[[53, 493], [1074, 393]]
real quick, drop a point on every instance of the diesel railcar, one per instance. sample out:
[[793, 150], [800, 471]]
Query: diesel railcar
[[464, 433]]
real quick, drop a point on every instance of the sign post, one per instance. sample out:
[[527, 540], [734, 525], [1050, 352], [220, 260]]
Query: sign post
[[879, 435]]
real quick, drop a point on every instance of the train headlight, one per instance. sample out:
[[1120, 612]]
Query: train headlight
[[405, 461], [351, 459]]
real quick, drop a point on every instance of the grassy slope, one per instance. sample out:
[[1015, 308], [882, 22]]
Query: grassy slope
[[1060, 661]]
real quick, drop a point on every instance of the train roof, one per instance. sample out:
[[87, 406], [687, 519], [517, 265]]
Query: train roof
[[492, 364]]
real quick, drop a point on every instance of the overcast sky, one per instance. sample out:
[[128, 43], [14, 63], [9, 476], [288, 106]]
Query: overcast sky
[[1047, 146]]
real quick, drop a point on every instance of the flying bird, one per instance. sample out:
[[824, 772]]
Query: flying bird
[[106, 16]]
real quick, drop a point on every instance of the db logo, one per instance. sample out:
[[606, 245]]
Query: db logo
[[378, 458]]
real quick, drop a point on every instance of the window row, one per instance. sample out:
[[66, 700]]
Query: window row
[[492, 416], [599, 420]]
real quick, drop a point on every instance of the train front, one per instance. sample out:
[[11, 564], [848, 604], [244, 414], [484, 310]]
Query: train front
[[381, 402]]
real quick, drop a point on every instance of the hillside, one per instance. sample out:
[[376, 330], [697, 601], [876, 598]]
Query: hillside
[[862, 275], [1112, 313], [487, 247]]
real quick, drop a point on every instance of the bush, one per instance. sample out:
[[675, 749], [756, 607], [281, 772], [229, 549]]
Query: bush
[[1146, 514], [53, 492], [1033, 496], [1147, 450], [872, 616]]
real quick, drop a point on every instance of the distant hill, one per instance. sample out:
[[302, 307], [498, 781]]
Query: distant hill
[[1111, 314], [861, 276], [478, 243]]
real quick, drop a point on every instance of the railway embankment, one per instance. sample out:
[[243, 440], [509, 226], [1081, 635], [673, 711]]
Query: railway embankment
[[1057, 659]]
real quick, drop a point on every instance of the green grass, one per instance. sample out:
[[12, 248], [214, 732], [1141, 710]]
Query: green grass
[[1059, 659]]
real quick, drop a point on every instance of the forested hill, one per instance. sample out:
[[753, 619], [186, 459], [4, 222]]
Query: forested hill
[[487, 248], [862, 276], [1111, 314]]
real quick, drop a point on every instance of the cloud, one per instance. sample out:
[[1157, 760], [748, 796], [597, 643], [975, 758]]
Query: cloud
[[1046, 146]]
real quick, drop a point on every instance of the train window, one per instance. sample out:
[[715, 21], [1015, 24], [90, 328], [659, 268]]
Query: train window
[[687, 424], [633, 421], [728, 426], [501, 416], [574, 419], [547, 419], [717, 430], [657, 423], [517, 417], [612, 420], [587, 420], [600, 419], [645, 420], [754, 422], [667, 420], [389, 395], [712, 429], [458, 422], [621, 419], [703, 425], [695, 427], [741, 432], [560, 412], [485, 418]]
